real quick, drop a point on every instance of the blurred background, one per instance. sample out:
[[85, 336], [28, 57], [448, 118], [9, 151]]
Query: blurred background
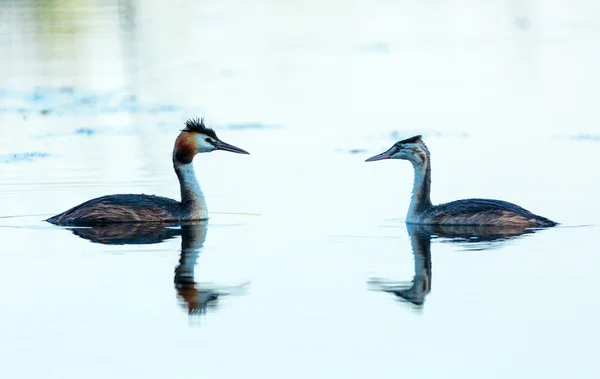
[[496, 66], [504, 92]]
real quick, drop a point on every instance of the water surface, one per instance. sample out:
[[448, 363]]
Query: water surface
[[305, 268]]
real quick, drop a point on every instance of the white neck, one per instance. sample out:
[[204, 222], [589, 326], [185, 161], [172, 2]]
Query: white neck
[[191, 194], [419, 201]]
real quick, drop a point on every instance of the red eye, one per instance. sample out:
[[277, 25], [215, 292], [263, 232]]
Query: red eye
[[208, 140]]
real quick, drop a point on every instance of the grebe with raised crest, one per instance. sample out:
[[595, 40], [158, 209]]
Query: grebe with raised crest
[[194, 138], [460, 212]]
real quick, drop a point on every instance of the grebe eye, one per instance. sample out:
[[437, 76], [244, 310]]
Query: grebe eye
[[208, 140]]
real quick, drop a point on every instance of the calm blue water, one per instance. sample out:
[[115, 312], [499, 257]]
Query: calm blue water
[[305, 268]]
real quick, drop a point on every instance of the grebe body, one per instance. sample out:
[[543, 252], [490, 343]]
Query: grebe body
[[479, 212], [195, 138], [461, 212]]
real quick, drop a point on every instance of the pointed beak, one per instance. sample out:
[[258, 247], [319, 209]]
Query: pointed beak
[[220, 145], [378, 157]]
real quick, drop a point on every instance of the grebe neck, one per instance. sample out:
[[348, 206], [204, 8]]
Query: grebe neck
[[191, 194], [420, 201]]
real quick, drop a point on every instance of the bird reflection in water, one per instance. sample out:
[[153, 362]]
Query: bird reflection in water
[[195, 297], [470, 237]]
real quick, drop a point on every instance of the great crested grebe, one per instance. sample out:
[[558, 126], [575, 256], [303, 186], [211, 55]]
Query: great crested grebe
[[460, 212], [194, 138]]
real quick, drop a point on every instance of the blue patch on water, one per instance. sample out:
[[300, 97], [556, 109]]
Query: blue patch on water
[[403, 134], [249, 125], [523, 23], [352, 151], [68, 101], [77, 132], [85, 131], [380, 47], [226, 73], [22, 157], [586, 137]]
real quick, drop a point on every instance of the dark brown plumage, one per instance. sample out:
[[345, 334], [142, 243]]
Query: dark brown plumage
[[128, 234], [123, 208], [484, 212]]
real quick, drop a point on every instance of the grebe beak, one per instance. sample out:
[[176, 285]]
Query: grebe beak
[[378, 157], [220, 145]]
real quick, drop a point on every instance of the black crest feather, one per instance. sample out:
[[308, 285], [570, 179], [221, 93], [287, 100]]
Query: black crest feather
[[197, 125], [414, 139]]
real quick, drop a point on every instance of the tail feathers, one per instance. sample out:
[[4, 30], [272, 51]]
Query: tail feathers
[[53, 220], [544, 222]]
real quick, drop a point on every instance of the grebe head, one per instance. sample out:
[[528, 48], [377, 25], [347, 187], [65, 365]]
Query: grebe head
[[197, 138], [412, 149]]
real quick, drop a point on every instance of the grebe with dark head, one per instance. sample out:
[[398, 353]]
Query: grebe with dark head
[[194, 138], [460, 212]]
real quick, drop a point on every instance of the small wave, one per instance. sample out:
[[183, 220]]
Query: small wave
[[377, 47], [68, 101], [353, 151], [585, 137], [77, 132], [402, 134], [249, 125], [22, 157]]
